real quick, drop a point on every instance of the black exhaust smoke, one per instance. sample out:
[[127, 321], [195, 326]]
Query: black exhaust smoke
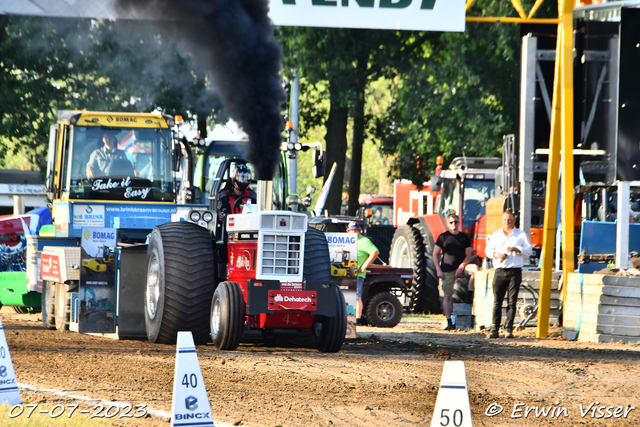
[[233, 41]]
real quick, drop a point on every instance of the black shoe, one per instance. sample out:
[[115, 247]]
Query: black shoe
[[509, 334], [358, 322], [450, 327], [493, 334]]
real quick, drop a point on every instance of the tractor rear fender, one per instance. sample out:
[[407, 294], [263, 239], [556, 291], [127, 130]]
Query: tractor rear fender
[[387, 281]]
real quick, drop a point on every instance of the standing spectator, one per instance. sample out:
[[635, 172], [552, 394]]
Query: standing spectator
[[457, 252], [367, 253], [507, 247]]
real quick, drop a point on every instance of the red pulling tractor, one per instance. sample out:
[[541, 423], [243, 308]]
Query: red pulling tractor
[[261, 272]]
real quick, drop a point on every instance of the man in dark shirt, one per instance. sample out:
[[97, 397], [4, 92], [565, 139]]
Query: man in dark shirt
[[456, 251], [102, 158]]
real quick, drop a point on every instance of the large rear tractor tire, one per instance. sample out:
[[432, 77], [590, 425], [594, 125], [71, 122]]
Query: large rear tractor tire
[[317, 262], [180, 282], [383, 310], [430, 300], [48, 310], [460, 291], [334, 329], [63, 306], [408, 251], [227, 316]]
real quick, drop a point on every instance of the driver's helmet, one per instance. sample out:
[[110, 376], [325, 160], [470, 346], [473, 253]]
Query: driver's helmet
[[241, 177]]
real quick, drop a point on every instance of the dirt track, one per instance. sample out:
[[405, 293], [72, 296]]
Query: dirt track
[[385, 377]]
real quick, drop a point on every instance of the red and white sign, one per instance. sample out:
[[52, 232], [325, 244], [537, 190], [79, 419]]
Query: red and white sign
[[50, 267], [293, 300]]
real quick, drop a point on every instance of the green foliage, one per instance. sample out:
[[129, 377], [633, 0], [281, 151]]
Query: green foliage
[[48, 64], [462, 93]]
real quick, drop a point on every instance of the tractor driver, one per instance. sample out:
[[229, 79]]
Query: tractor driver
[[102, 158], [236, 193]]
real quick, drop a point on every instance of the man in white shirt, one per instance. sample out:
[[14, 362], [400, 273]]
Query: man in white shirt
[[508, 247]]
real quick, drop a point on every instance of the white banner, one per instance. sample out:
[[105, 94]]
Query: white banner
[[422, 15]]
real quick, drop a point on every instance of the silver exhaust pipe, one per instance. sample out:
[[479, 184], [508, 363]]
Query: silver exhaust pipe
[[265, 196]]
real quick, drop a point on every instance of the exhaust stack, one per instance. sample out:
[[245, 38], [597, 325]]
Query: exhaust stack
[[265, 196]]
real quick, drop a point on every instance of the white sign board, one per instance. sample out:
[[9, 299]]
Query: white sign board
[[342, 244], [421, 15], [95, 239], [9, 392], [88, 216]]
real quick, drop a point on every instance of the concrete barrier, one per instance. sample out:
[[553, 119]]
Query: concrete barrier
[[602, 308]]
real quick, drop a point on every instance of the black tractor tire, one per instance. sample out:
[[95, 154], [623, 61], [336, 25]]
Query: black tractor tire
[[48, 314], [180, 282], [383, 310], [317, 266], [429, 300], [317, 262], [63, 306], [460, 291], [227, 316], [334, 329], [407, 250]]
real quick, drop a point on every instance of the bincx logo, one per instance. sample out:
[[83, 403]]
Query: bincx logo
[[191, 403], [383, 4]]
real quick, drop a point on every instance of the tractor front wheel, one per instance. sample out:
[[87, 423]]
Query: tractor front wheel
[[227, 316]]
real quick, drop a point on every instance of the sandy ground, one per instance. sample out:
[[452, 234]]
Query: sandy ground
[[382, 378]]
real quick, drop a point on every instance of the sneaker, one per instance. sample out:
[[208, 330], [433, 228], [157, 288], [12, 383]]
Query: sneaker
[[493, 334], [450, 327], [509, 334]]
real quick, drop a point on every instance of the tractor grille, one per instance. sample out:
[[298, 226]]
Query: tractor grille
[[281, 255]]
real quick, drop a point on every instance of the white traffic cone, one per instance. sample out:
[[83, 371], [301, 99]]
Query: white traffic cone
[[452, 405], [190, 402], [9, 393]]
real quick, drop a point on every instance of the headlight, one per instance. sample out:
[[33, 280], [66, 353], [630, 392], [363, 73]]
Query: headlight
[[207, 216], [194, 216]]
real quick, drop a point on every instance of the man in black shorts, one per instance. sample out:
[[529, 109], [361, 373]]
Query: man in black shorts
[[456, 251]]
